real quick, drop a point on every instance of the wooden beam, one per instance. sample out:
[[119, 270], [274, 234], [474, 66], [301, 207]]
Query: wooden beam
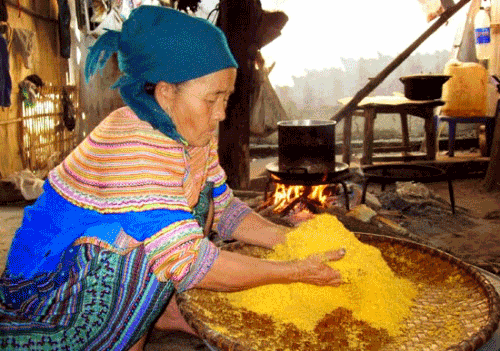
[[11, 121], [31, 13], [373, 83]]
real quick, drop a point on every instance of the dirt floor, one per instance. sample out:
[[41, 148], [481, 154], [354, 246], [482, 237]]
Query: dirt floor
[[472, 234]]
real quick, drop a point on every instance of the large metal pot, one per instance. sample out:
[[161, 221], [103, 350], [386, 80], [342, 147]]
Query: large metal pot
[[424, 86], [306, 144]]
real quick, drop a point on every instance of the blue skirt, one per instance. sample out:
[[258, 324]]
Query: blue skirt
[[97, 299]]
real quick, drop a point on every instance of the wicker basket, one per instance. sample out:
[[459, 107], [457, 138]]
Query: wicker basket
[[460, 314]]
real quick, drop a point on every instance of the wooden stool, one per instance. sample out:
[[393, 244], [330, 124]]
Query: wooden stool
[[371, 106], [488, 121]]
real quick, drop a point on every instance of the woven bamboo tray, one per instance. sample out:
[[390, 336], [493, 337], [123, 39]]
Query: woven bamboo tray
[[457, 309]]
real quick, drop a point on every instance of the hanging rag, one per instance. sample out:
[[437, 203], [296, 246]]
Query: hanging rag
[[99, 11], [64, 31], [3, 11], [126, 7], [116, 3], [113, 21], [266, 109], [68, 116], [22, 42], [5, 81]]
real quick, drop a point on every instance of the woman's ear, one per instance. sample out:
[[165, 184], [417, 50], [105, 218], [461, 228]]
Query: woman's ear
[[164, 93]]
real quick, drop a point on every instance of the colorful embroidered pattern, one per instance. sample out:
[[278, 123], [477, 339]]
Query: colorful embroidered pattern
[[232, 217], [123, 165], [173, 251], [107, 303]]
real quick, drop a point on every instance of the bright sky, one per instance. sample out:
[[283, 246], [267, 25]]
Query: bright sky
[[320, 32]]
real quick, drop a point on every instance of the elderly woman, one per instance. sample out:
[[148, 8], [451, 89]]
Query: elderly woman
[[119, 227]]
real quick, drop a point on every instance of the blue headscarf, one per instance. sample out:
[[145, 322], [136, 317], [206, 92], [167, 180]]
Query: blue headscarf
[[159, 44]]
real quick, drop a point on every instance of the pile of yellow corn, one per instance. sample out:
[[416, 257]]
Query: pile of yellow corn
[[371, 290]]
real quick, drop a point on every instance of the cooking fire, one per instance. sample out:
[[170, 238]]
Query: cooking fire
[[289, 199]]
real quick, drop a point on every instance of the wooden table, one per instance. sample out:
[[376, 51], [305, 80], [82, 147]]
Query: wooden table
[[369, 107]]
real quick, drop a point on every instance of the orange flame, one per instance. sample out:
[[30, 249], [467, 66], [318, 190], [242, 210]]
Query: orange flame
[[286, 194]]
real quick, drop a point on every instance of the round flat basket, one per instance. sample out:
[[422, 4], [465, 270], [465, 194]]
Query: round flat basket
[[456, 308]]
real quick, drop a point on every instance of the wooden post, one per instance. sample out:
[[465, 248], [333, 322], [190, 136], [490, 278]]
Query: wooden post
[[349, 108], [406, 134], [238, 20], [346, 158], [492, 178], [370, 116], [430, 134]]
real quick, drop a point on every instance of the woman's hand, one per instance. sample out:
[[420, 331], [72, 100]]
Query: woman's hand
[[314, 270], [233, 271]]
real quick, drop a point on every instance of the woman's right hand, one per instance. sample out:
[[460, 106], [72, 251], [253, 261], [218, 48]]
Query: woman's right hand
[[314, 270], [233, 271]]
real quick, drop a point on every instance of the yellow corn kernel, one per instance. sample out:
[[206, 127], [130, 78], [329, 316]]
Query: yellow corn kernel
[[371, 291]]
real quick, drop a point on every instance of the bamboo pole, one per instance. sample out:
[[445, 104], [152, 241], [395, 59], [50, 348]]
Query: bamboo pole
[[349, 108]]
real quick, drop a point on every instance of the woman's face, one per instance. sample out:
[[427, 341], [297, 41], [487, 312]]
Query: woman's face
[[197, 106]]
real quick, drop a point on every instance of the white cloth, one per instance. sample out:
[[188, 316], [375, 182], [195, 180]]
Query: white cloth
[[266, 109], [113, 21]]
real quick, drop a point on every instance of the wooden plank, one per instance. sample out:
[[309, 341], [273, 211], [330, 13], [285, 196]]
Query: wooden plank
[[18, 120], [387, 149]]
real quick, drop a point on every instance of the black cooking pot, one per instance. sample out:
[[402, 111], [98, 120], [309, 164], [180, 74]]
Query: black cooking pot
[[306, 144], [424, 86]]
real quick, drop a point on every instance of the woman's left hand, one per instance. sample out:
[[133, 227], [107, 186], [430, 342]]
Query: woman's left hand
[[314, 270]]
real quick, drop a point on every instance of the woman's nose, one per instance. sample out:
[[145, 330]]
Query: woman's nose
[[219, 112]]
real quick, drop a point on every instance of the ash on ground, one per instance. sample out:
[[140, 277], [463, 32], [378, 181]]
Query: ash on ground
[[416, 208]]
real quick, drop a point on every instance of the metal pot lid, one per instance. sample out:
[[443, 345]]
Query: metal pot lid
[[306, 123], [431, 77]]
